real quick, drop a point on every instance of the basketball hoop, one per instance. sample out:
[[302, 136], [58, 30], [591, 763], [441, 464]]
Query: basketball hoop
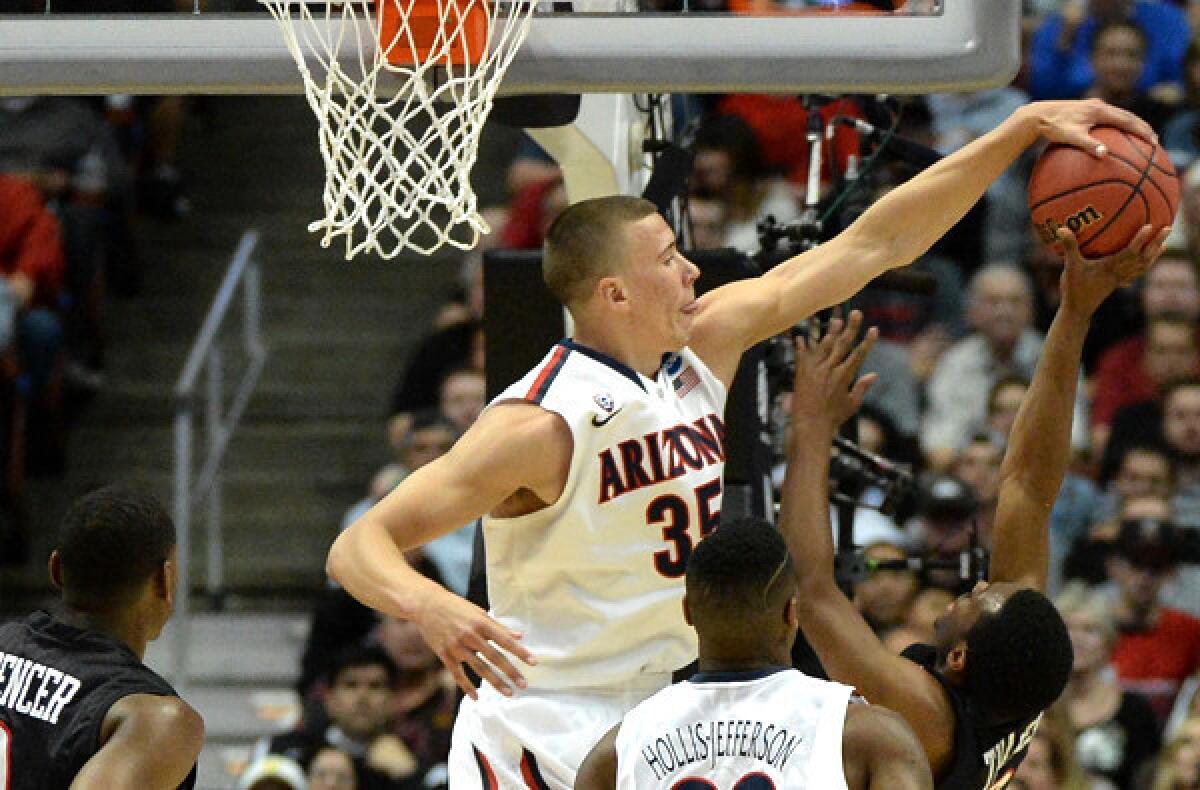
[[401, 93]]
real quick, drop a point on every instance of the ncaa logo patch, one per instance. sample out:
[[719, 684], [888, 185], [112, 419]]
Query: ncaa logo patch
[[604, 401], [673, 363]]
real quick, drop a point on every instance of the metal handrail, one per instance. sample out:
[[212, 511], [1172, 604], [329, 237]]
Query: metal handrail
[[206, 355]]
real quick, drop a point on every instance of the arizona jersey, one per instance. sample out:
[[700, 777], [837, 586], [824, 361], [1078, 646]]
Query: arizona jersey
[[595, 581], [57, 683], [770, 728]]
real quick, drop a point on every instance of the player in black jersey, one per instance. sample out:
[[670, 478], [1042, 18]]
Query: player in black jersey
[[1002, 654], [78, 708]]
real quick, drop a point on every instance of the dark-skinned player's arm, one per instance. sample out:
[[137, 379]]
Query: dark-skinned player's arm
[[881, 752], [599, 769], [512, 447], [895, 231], [826, 394], [1039, 445], [149, 743]]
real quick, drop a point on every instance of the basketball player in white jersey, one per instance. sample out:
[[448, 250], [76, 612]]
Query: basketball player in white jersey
[[598, 473], [746, 720]]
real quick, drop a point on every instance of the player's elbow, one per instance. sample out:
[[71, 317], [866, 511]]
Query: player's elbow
[[336, 561]]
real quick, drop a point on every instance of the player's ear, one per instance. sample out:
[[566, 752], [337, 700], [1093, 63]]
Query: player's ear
[[956, 659], [687, 612], [791, 612], [164, 580], [54, 566], [611, 291]]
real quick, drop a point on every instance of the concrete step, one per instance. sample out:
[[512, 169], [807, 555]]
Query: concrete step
[[236, 649]]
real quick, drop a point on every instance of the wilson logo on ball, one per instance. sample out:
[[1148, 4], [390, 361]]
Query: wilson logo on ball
[[1048, 230]]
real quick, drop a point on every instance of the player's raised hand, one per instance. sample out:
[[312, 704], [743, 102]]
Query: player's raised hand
[[1086, 283], [1071, 122], [459, 632], [826, 387]]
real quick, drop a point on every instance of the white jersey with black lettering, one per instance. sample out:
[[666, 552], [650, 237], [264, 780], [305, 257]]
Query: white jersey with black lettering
[[594, 581], [771, 728]]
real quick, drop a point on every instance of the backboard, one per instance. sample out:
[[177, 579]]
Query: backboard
[[937, 46]]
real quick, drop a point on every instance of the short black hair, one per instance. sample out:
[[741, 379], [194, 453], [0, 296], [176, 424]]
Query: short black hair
[[743, 567], [734, 136], [1018, 658], [112, 541], [362, 655]]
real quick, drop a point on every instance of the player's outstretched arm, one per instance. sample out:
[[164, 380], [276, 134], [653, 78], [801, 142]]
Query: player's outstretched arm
[[513, 447], [599, 769], [894, 232], [881, 752], [149, 743], [826, 394], [1040, 443]]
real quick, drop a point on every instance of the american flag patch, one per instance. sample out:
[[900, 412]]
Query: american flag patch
[[686, 381]]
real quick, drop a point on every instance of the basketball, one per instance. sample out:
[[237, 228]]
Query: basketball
[[1104, 202]]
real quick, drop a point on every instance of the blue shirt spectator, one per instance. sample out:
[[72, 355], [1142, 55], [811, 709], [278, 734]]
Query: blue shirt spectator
[[1067, 73]]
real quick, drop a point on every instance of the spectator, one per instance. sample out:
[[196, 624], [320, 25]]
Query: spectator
[[1115, 731], [1058, 53], [1003, 344], [360, 704], [1178, 766], [1179, 135], [1118, 58], [430, 437], [332, 769], [943, 527], [439, 352], [709, 222], [1170, 356], [273, 772], [1158, 646], [1186, 233], [728, 167], [31, 265], [427, 698], [462, 396], [889, 588], [532, 211], [959, 118], [1050, 763], [1169, 290]]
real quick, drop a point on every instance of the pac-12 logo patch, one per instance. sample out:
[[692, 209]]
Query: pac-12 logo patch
[[604, 401]]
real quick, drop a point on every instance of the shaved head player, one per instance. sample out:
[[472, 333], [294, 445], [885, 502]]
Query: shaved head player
[[600, 470]]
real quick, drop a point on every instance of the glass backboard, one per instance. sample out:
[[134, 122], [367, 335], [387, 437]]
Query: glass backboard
[[765, 46]]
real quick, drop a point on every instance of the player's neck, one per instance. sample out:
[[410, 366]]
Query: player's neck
[[712, 661], [121, 626], [625, 350]]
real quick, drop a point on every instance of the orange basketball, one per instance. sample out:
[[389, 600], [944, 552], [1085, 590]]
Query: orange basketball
[[1103, 201]]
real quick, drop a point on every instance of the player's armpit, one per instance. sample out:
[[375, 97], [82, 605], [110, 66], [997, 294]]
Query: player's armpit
[[599, 768], [881, 752], [149, 743]]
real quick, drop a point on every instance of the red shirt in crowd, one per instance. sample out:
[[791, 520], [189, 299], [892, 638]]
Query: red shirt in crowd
[[30, 239], [1155, 662]]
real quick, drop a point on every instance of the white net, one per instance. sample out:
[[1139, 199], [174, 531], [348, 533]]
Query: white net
[[399, 141]]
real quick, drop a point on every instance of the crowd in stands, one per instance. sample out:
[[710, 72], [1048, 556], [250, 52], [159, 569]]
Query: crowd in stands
[[77, 175]]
